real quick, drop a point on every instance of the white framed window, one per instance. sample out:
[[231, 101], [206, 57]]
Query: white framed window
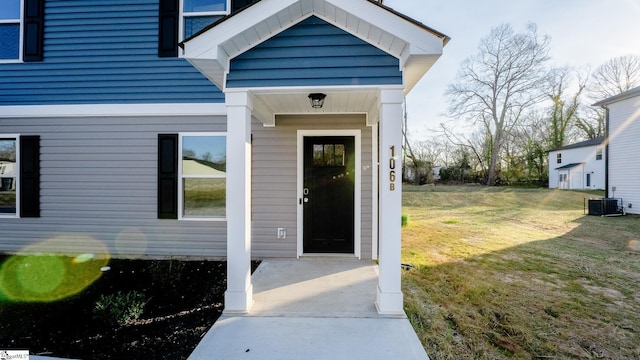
[[202, 176], [195, 15], [9, 175], [11, 30], [559, 158], [598, 153]]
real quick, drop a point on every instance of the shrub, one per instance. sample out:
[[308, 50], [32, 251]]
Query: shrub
[[121, 308], [404, 220]]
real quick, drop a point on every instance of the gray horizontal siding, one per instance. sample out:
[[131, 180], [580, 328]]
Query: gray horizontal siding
[[101, 52], [99, 181], [313, 53], [274, 178]]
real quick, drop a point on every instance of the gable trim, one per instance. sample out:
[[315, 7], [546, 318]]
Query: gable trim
[[416, 48]]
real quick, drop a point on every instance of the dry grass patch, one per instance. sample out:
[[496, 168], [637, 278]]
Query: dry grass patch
[[519, 273]]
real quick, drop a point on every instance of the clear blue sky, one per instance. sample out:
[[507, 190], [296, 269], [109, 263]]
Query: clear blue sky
[[583, 33]]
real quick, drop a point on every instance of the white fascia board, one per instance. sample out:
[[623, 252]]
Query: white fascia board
[[422, 40], [92, 110], [414, 69], [310, 89], [211, 69], [205, 45], [218, 43]]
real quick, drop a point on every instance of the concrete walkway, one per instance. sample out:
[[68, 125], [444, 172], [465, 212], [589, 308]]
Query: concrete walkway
[[312, 308]]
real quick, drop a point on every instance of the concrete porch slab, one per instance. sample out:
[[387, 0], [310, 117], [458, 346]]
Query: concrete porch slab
[[318, 287], [312, 308]]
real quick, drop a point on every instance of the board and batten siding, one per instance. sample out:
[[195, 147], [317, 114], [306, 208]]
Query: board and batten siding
[[103, 52], [624, 152], [313, 53], [99, 182], [274, 179]]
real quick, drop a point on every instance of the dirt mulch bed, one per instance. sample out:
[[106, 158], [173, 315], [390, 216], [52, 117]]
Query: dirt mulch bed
[[183, 300]]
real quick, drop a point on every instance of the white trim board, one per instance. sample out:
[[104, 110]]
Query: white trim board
[[92, 110], [357, 201]]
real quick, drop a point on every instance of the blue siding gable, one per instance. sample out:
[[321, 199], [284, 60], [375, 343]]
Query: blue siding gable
[[103, 52], [313, 53]]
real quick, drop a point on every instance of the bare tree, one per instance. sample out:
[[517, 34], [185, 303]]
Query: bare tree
[[609, 79], [591, 122], [476, 147], [614, 77], [436, 150], [532, 139], [496, 86], [564, 109]]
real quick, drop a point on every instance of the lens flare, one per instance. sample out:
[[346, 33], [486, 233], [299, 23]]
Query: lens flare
[[33, 276], [39, 274], [633, 245], [131, 242], [83, 258]]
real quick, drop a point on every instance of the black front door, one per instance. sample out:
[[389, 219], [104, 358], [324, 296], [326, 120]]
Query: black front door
[[328, 194]]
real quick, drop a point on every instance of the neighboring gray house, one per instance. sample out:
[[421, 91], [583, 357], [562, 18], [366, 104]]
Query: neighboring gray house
[[211, 128], [579, 166], [623, 148]]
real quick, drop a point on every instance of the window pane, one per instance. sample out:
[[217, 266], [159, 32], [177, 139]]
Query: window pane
[[318, 155], [193, 24], [204, 155], [8, 170], [7, 195], [204, 5], [339, 155], [7, 157], [204, 197], [10, 9], [9, 41], [328, 155]]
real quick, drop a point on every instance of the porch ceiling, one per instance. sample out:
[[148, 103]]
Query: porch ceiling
[[269, 104]]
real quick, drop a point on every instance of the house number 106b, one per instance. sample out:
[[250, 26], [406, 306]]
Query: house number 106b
[[392, 169]]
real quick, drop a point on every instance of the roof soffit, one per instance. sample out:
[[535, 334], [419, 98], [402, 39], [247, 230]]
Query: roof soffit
[[415, 46]]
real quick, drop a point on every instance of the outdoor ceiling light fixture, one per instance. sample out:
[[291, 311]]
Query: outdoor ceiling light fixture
[[317, 100]]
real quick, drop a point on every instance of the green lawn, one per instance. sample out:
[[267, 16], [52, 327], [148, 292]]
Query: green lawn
[[520, 273]]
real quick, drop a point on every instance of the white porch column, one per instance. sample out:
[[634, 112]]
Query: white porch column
[[239, 295], [389, 298]]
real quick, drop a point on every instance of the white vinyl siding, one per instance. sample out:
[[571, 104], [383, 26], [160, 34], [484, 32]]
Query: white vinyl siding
[[576, 177], [624, 153]]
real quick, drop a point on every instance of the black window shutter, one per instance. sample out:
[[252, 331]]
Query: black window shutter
[[29, 176], [33, 47], [167, 176], [168, 28]]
